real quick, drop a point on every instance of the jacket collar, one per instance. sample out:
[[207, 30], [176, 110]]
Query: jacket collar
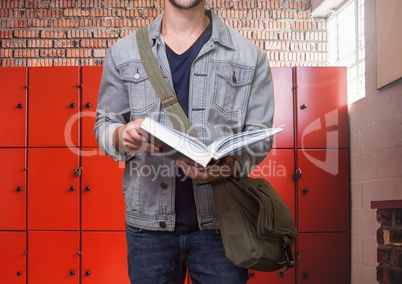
[[220, 32]]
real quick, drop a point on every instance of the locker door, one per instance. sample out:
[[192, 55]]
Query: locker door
[[104, 258], [13, 189], [13, 107], [323, 190], [53, 257], [277, 168], [13, 257], [323, 258], [322, 111], [102, 194], [53, 195], [283, 116], [91, 77], [53, 106]]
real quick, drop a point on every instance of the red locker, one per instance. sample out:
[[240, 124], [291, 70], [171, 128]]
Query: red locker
[[53, 257], [277, 168], [283, 116], [13, 107], [13, 257], [323, 258], [322, 110], [102, 196], [13, 189], [91, 77], [104, 258], [54, 106], [323, 190], [53, 195]]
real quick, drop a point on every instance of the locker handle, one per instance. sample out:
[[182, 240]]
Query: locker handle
[[305, 191], [88, 273], [87, 105], [19, 273], [72, 188], [303, 106], [19, 188], [72, 273], [72, 105], [87, 188], [20, 105]]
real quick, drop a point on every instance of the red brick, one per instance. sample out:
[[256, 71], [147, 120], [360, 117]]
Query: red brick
[[66, 43], [384, 254], [53, 34], [24, 53], [39, 23], [395, 235], [52, 53], [15, 43], [94, 43], [40, 62], [65, 23]]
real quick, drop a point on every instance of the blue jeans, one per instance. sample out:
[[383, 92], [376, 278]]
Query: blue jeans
[[163, 257]]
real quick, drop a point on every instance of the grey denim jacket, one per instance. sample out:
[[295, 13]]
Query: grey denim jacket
[[231, 90]]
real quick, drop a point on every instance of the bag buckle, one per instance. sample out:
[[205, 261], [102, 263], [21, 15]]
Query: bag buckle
[[287, 249], [169, 101]]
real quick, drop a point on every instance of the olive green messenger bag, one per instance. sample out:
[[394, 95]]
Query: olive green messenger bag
[[257, 228]]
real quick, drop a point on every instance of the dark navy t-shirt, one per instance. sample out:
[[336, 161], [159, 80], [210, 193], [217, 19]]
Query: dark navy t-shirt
[[180, 66]]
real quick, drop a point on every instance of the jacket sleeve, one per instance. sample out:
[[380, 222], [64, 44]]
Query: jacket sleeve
[[113, 108], [260, 112]]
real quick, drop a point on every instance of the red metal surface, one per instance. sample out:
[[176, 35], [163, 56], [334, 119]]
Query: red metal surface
[[322, 111], [53, 106], [13, 257], [102, 195], [283, 117], [324, 258], [277, 169], [323, 190], [91, 77], [13, 189], [53, 257], [13, 107], [54, 193], [104, 258]]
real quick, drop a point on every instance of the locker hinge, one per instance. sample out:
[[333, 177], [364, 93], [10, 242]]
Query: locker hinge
[[78, 171]]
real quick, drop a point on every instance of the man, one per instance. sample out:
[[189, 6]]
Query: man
[[224, 84]]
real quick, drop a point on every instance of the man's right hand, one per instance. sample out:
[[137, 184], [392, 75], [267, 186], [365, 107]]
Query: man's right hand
[[129, 138]]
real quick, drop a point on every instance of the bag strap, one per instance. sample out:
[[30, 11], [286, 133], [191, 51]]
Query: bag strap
[[168, 99]]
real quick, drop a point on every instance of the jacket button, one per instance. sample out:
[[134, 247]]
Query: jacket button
[[162, 224], [164, 185]]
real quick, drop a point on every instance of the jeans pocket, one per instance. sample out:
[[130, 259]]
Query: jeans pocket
[[133, 230]]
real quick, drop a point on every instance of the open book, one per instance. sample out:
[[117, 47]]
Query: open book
[[178, 144]]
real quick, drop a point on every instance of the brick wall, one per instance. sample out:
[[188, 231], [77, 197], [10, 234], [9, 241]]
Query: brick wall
[[78, 32], [389, 239]]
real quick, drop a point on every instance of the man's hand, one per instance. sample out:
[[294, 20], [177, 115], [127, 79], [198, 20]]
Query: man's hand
[[129, 138], [226, 167]]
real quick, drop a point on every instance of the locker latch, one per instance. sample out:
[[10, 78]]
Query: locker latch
[[78, 171], [297, 174]]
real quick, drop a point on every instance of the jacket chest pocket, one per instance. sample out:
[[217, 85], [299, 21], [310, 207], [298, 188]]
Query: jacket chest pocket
[[231, 88], [142, 95]]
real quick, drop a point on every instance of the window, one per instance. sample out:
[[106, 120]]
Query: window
[[346, 45]]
